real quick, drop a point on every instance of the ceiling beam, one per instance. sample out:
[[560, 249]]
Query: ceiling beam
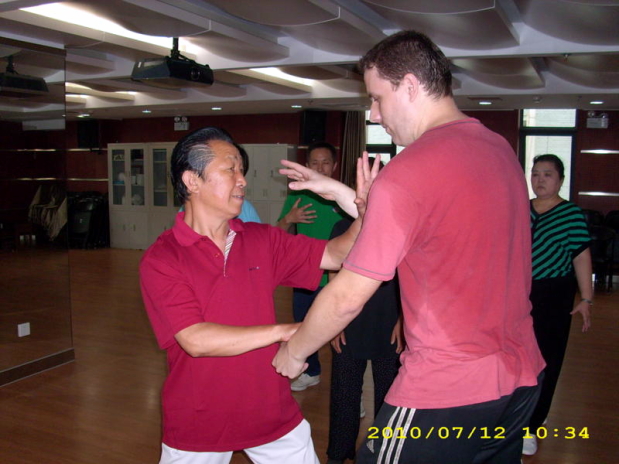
[[83, 90], [33, 19], [272, 79], [90, 58], [362, 17], [203, 15]]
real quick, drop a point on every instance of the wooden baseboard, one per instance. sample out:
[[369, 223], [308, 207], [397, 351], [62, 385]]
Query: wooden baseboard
[[34, 367]]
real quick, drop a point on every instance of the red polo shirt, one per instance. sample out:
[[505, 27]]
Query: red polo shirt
[[235, 402]]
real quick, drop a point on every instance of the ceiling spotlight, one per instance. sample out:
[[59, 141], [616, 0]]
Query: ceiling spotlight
[[216, 108], [296, 106], [146, 111], [537, 99], [485, 102], [596, 102]]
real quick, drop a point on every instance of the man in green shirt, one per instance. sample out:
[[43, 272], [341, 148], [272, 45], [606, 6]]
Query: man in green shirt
[[315, 217]]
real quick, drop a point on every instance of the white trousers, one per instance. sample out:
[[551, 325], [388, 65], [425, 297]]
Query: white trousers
[[294, 447]]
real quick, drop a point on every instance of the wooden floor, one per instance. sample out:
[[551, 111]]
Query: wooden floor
[[104, 407]]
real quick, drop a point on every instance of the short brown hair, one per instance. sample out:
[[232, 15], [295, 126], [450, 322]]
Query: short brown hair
[[410, 52]]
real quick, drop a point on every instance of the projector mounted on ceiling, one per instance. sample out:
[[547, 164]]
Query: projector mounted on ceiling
[[174, 71], [17, 85]]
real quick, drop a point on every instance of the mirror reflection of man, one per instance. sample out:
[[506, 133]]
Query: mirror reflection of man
[[315, 217]]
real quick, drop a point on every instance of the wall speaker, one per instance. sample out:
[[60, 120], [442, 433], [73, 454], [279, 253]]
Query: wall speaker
[[88, 133], [313, 126]]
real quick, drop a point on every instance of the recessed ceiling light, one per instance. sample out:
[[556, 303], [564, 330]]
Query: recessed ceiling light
[[596, 102], [216, 108], [484, 102], [296, 106], [146, 111], [83, 115]]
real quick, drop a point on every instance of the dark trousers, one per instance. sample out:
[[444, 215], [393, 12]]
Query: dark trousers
[[301, 302], [552, 301], [346, 387], [490, 432]]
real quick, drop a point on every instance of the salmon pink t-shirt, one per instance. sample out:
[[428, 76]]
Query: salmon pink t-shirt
[[451, 214]]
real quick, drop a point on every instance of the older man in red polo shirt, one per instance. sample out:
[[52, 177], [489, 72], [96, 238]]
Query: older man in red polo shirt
[[208, 286]]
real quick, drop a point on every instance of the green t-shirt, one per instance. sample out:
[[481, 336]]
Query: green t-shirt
[[328, 214]]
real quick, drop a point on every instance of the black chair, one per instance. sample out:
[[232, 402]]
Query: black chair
[[612, 220], [79, 222], [602, 239], [593, 217], [88, 220]]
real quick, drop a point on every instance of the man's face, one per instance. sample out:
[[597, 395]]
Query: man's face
[[388, 106], [222, 186], [321, 160]]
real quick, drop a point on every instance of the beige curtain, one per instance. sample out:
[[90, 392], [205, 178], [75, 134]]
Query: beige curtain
[[352, 146]]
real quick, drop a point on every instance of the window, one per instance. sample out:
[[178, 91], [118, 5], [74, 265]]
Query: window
[[378, 141], [549, 118]]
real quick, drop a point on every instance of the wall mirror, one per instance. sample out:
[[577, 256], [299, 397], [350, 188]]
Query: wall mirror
[[35, 307]]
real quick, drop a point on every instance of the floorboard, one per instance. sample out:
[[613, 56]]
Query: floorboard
[[104, 407]]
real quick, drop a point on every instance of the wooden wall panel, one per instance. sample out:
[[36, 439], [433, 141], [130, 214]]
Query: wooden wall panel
[[596, 172], [505, 123]]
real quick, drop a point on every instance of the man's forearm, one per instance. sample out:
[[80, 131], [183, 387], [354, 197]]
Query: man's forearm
[[345, 198], [338, 248], [333, 309], [210, 339]]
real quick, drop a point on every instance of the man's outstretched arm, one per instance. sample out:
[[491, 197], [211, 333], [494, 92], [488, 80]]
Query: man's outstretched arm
[[348, 199], [210, 339], [333, 309]]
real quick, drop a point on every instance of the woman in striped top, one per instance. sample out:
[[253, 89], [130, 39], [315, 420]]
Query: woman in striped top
[[561, 262]]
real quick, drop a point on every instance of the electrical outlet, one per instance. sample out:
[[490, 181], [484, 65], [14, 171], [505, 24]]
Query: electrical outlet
[[23, 330]]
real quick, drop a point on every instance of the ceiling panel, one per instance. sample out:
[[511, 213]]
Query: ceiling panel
[[551, 53], [277, 12]]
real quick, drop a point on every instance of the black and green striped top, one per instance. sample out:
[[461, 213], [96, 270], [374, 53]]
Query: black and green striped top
[[559, 235]]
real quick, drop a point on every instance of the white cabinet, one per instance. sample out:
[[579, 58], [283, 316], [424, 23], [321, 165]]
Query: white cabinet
[[142, 200], [266, 187], [128, 229], [127, 175], [164, 205], [141, 195]]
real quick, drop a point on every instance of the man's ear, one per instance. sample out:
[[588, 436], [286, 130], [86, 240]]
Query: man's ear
[[411, 85], [190, 179]]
